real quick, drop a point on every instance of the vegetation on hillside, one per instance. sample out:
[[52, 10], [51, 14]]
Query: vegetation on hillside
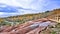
[[12, 20]]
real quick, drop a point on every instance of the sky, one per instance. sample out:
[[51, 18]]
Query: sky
[[19, 7]]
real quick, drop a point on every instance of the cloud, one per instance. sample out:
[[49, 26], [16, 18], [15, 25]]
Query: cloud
[[3, 14], [33, 4], [30, 6]]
